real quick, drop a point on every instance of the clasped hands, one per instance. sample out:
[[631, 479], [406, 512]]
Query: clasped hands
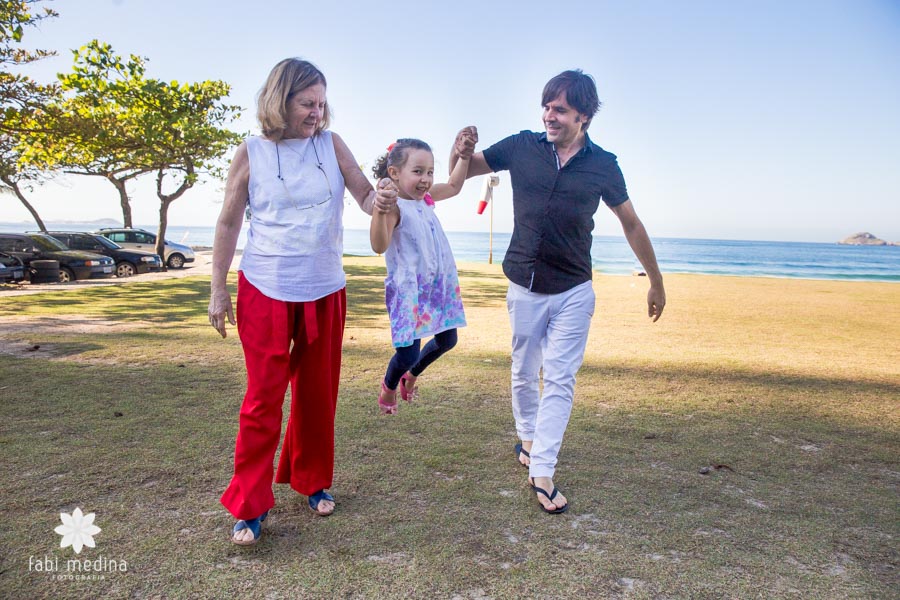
[[464, 146], [385, 195]]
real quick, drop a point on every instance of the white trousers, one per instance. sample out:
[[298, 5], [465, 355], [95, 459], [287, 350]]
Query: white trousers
[[549, 332]]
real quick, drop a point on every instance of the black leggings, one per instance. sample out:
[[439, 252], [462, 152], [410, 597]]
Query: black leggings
[[409, 359]]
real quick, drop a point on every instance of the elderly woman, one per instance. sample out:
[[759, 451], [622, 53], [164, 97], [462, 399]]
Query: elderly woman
[[291, 302]]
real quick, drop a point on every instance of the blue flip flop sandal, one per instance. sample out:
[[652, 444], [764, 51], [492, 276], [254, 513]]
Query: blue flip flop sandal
[[521, 450], [550, 497], [318, 497], [254, 525]]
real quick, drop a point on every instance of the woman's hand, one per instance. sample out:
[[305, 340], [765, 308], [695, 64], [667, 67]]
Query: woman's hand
[[385, 196], [220, 308]]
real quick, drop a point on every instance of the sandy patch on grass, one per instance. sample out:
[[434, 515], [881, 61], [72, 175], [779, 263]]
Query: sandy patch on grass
[[67, 324], [22, 336]]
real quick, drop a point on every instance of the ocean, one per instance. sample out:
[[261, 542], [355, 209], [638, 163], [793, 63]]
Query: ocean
[[612, 255]]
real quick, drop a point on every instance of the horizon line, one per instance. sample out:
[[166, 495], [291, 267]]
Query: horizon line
[[31, 226]]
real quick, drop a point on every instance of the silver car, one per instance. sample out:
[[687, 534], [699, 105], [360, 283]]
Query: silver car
[[139, 239]]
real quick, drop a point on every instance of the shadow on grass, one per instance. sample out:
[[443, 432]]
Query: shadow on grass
[[482, 293], [176, 300], [365, 292], [169, 300], [708, 378]]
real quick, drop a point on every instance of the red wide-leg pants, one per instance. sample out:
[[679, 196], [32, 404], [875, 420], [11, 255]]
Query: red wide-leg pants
[[300, 343]]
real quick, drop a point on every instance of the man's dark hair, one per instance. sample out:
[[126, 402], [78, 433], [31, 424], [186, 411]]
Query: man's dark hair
[[580, 91]]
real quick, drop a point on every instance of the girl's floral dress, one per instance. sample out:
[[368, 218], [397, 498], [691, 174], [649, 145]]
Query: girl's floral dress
[[422, 288]]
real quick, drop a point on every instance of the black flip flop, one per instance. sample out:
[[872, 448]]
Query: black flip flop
[[550, 497], [521, 450]]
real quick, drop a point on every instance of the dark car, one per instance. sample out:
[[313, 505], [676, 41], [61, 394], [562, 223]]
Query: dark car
[[11, 269], [128, 262], [73, 264]]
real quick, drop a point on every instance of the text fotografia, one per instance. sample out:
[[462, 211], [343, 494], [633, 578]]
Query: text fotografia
[[76, 568]]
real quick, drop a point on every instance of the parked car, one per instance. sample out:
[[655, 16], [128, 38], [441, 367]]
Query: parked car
[[128, 262], [12, 270], [73, 264], [138, 239]]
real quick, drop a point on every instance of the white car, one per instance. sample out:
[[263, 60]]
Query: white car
[[139, 239]]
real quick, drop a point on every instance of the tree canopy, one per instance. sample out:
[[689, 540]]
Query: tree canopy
[[19, 91], [115, 122]]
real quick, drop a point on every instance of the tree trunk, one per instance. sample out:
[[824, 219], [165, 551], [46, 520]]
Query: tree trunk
[[161, 231], [14, 186], [123, 200], [164, 201]]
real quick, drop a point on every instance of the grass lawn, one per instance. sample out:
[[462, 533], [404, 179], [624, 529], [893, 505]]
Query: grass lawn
[[786, 392]]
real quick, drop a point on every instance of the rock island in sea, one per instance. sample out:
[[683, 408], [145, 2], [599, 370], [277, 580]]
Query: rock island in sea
[[865, 238]]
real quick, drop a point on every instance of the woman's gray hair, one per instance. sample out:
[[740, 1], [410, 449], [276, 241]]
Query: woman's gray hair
[[288, 78]]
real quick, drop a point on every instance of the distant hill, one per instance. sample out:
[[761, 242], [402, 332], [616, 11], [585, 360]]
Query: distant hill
[[864, 238], [112, 222], [28, 223]]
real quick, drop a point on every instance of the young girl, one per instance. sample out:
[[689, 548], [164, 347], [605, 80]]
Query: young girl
[[422, 288]]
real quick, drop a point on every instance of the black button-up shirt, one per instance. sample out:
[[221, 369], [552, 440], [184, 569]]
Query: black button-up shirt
[[553, 208]]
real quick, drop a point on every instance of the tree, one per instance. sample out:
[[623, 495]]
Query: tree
[[20, 97], [185, 138], [94, 129], [117, 123]]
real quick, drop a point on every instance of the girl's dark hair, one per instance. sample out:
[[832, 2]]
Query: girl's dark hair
[[580, 91], [397, 155]]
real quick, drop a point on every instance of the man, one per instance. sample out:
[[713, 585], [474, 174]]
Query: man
[[558, 179]]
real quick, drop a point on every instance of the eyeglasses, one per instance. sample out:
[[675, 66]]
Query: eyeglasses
[[319, 166]]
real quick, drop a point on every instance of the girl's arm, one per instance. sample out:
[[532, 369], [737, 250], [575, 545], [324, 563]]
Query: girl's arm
[[442, 191], [381, 229], [356, 182]]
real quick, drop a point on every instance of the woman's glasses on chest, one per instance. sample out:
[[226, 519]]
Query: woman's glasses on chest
[[319, 166]]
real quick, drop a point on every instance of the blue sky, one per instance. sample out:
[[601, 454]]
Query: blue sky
[[760, 120]]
